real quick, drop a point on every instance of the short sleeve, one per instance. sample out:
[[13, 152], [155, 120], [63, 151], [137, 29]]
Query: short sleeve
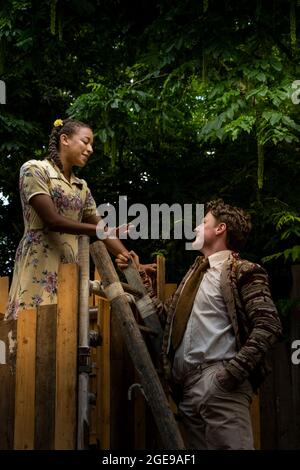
[[89, 208], [33, 180]]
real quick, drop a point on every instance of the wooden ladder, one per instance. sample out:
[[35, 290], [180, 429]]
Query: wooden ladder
[[114, 291]]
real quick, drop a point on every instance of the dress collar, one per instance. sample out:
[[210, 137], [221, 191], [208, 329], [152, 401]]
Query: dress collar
[[73, 178]]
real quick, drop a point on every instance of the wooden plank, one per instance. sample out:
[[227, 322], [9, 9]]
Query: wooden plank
[[268, 407], [4, 284], [45, 377], [160, 279], [7, 380], [283, 394], [169, 290], [103, 377], [255, 419], [121, 378], [25, 380], [66, 357], [139, 418]]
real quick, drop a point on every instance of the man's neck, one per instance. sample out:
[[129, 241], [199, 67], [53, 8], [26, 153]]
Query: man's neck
[[208, 251]]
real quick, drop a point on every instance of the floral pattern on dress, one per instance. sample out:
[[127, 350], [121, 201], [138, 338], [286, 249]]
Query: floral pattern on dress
[[48, 282], [64, 202]]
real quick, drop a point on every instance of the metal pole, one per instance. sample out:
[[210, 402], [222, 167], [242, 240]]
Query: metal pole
[[83, 344]]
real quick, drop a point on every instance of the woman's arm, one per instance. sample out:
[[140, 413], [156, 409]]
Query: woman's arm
[[44, 207], [114, 245]]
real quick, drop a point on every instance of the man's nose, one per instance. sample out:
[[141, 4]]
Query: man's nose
[[198, 228]]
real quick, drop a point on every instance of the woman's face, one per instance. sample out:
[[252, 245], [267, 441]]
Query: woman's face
[[78, 147]]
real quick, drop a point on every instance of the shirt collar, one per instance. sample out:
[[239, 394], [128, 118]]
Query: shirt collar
[[218, 258], [73, 178]]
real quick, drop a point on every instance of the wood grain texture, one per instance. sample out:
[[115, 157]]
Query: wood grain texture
[[45, 377], [66, 358], [8, 344], [25, 380]]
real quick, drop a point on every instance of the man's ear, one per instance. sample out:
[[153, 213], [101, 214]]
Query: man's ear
[[222, 227]]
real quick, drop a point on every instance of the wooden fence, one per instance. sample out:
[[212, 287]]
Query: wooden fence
[[39, 376], [38, 394], [280, 394]]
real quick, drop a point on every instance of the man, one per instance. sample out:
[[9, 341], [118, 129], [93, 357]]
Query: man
[[219, 325]]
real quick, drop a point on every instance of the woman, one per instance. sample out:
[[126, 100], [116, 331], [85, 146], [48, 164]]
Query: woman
[[57, 207]]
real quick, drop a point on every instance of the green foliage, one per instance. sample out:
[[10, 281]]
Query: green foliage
[[188, 101], [288, 225], [287, 306]]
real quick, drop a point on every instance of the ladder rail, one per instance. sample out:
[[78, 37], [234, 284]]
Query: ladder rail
[[160, 407]]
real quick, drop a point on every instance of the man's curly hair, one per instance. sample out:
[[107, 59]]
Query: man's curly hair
[[237, 221]]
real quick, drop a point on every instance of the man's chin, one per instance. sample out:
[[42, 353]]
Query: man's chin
[[197, 245]]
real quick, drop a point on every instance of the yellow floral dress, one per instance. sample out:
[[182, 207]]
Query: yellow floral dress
[[40, 251]]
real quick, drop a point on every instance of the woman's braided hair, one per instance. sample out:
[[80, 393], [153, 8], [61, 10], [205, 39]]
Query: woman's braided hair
[[61, 126]]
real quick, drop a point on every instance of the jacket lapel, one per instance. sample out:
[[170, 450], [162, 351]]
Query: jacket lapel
[[228, 289]]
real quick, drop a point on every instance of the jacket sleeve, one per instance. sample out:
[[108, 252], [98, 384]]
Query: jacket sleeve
[[163, 309], [262, 320]]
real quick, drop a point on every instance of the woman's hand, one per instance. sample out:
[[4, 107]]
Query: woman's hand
[[104, 231]]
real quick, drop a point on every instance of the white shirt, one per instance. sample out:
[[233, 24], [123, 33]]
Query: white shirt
[[209, 334]]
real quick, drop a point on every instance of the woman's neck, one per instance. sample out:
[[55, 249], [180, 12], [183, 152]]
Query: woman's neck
[[67, 168]]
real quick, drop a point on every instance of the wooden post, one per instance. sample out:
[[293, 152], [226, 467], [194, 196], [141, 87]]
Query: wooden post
[[153, 390], [4, 281], [255, 419], [25, 380], [103, 399], [8, 336], [66, 357], [161, 275], [45, 377]]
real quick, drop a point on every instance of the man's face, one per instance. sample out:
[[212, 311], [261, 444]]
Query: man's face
[[206, 232]]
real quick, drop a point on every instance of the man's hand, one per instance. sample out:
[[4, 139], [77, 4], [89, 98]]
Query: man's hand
[[123, 259], [226, 380], [150, 269]]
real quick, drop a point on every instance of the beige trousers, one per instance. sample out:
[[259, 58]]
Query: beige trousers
[[213, 418]]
